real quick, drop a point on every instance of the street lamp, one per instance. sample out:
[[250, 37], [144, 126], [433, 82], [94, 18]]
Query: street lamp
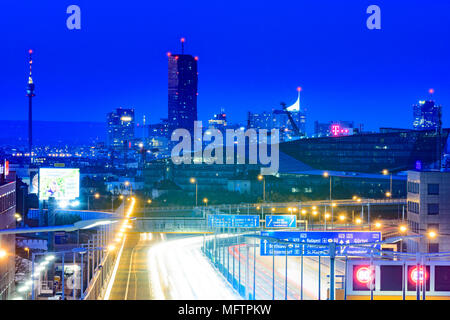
[[205, 200], [127, 183], [261, 177], [327, 175], [193, 180], [149, 201], [333, 205], [2, 253], [432, 234], [326, 217], [96, 196], [386, 172], [378, 225], [403, 228], [28, 252]]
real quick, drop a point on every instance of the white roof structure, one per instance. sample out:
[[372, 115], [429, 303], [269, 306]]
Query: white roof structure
[[296, 106]]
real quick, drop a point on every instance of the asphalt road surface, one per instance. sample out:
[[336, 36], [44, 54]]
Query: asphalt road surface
[[153, 267]]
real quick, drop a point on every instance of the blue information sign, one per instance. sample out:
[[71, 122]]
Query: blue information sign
[[233, 221], [311, 242], [281, 221]]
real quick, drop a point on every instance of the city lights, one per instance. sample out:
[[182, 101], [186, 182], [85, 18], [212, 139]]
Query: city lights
[[432, 234], [315, 164]]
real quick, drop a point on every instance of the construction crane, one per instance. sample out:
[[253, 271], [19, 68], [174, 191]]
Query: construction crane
[[291, 119]]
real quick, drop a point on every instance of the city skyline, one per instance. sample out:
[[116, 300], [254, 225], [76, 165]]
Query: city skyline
[[255, 77], [223, 152]]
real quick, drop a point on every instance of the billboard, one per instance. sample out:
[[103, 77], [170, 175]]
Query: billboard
[[60, 183]]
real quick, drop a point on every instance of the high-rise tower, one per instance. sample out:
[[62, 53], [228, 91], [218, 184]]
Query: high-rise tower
[[427, 114], [30, 95], [182, 89]]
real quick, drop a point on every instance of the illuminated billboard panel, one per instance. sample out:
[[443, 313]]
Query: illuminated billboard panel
[[60, 183]]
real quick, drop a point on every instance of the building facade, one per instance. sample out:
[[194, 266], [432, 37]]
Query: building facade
[[182, 90], [334, 129], [120, 126], [371, 153], [7, 242], [427, 115], [428, 203], [279, 119], [219, 121]]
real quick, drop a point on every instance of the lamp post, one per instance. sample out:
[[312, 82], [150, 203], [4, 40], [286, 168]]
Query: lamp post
[[261, 177], [127, 183], [96, 196], [326, 216], [193, 180], [327, 175], [386, 172]]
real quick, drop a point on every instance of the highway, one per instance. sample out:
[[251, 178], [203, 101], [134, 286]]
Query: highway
[[153, 267], [263, 280]]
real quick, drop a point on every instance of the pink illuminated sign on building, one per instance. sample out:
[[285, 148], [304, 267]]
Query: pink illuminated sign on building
[[337, 131]]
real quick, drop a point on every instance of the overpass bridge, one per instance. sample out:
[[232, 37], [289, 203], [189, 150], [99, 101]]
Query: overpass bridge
[[194, 219], [280, 207]]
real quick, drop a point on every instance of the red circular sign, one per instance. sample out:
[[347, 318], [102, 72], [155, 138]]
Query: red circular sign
[[418, 274], [364, 274]]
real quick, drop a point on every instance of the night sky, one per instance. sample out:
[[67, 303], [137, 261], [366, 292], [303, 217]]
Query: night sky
[[252, 55]]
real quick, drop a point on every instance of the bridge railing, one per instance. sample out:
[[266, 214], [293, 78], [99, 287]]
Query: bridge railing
[[247, 207], [167, 224], [103, 264], [100, 280]]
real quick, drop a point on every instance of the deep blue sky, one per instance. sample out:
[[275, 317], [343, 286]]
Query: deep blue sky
[[252, 55]]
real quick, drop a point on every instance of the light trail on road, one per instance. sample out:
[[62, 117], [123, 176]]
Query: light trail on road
[[263, 280], [179, 270]]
